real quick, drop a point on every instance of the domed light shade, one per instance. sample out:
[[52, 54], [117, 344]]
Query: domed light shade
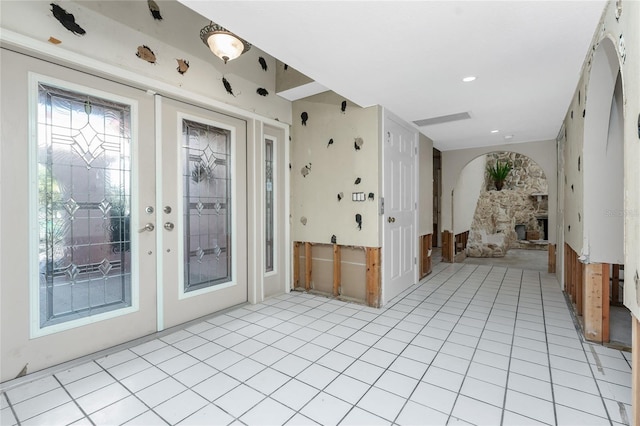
[[223, 43]]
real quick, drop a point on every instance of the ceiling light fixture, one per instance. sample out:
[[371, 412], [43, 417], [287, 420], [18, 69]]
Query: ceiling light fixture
[[469, 79], [222, 42], [508, 137], [495, 131]]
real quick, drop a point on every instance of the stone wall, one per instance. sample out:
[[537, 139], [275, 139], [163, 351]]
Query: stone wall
[[522, 201], [526, 175]]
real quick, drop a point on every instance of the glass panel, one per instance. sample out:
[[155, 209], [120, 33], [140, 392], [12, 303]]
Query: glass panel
[[84, 203], [207, 205], [268, 203]]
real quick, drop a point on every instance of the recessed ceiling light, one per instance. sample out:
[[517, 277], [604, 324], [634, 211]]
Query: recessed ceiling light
[[469, 79], [508, 137], [495, 131]]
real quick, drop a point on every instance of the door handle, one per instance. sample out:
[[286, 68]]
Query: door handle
[[168, 226], [148, 227], [391, 219]]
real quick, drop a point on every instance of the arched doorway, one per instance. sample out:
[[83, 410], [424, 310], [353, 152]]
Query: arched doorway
[[603, 215], [488, 222]]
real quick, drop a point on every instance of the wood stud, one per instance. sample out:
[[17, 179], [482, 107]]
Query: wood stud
[[337, 270], [373, 277], [552, 259], [296, 265], [307, 266]]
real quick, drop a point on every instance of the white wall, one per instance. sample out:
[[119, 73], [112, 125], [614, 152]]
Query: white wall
[[543, 153], [603, 162], [618, 36], [465, 196], [425, 185]]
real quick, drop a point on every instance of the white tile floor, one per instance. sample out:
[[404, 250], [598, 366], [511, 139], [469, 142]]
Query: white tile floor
[[469, 345]]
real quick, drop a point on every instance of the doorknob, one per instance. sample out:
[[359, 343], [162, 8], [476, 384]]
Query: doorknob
[[148, 227], [168, 226], [391, 219]]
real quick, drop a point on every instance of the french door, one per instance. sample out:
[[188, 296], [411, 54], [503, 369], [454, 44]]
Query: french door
[[201, 211], [123, 213]]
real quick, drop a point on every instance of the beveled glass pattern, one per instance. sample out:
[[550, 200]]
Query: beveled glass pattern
[[206, 159], [84, 203], [268, 205]]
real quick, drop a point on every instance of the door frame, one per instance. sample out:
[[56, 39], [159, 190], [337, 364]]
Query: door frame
[[386, 116]]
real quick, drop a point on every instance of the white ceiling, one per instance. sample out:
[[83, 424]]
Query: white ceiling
[[411, 56]]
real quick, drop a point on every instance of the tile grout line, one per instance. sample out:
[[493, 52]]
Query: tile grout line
[[546, 338], [443, 303], [497, 294], [584, 342], [396, 355], [15, 415], [86, 416], [134, 394], [513, 337], [407, 399]]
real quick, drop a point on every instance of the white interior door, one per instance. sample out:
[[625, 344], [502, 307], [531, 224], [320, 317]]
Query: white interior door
[[399, 219], [203, 212]]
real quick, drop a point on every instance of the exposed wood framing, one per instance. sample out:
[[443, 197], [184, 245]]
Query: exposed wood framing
[[579, 285], [461, 242], [635, 370], [373, 280], [296, 264], [593, 301], [615, 285], [605, 303], [448, 249], [552, 259], [567, 268], [425, 255], [307, 266], [337, 270], [373, 276]]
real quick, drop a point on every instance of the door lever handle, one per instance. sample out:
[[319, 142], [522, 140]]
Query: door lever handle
[[148, 227]]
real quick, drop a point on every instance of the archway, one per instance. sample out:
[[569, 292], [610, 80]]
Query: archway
[[603, 162], [488, 222]]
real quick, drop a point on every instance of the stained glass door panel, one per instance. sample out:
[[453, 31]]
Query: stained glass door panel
[[206, 154], [84, 204], [204, 199]]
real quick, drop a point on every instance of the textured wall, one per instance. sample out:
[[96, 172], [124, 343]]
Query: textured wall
[[618, 38], [498, 212], [321, 170], [543, 153], [115, 29], [465, 196], [526, 175]]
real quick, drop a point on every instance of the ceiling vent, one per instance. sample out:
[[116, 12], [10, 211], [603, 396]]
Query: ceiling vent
[[442, 119]]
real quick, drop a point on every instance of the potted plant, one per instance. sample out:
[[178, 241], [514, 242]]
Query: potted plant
[[499, 173]]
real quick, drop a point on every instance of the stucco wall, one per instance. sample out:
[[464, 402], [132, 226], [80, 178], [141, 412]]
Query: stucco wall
[[543, 153], [617, 36], [321, 170], [466, 193], [115, 29]]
